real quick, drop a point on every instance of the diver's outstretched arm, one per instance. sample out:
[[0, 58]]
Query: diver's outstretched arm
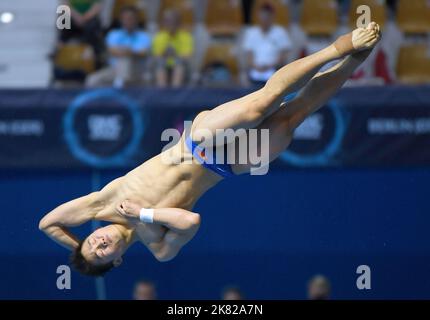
[[70, 214]]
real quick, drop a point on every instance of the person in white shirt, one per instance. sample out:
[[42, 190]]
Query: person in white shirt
[[266, 46]]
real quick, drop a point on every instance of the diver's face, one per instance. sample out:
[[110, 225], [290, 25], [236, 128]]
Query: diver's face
[[104, 245]]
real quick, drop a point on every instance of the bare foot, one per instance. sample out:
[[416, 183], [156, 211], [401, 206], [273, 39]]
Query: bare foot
[[358, 40], [363, 54], [367, 38]]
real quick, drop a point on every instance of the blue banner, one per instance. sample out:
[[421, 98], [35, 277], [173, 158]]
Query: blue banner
[[107, 128]]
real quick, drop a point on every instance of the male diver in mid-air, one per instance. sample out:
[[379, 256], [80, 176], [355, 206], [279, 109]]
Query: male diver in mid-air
[[152, 204]]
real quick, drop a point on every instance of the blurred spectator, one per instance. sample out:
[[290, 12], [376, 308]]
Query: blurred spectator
[[128, 47], [216, 74], [319, 288], [172, 49], [232, 293], [144, 290], [266, 46], [391, 4], [85, 23]]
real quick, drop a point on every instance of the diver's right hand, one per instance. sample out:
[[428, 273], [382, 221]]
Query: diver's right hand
[[129, 210]]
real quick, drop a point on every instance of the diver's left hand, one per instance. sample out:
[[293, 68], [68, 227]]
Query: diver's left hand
[[129, 210]]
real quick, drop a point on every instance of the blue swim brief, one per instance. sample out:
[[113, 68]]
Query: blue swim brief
[[198, 152]]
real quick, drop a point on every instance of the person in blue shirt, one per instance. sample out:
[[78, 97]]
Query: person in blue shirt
[[127, 47]]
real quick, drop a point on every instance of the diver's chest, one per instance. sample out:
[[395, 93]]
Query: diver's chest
[[181, 194], [158, 188]]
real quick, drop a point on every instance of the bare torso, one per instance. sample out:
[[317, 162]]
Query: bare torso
[[158, 183]]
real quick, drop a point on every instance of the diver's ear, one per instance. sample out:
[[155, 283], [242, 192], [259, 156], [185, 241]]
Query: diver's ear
[[117, 262]]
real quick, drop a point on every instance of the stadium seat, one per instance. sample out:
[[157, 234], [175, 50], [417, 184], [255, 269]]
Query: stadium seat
[[75, 57], [281, 11], [139, 4], [223, 53], [413, 64], [319, 17], [413, 16], [224, 17], [378, 11], [184, 7]]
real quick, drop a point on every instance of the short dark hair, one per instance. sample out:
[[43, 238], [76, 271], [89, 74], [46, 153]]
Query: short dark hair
[[268, 7], [132, 9], [77, 260]]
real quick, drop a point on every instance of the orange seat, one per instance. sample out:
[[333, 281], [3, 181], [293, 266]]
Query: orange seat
[[281, 11], [119, 4], [222, 53], [413, 64], [224, 17], [413, 16], [75, 57], [319, 17], [184, 7], [377, 8]]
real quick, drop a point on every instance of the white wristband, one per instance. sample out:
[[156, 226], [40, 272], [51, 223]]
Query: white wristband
[[146, 215]]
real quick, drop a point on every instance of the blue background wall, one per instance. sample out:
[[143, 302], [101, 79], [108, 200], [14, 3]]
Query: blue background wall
[[267, 234]]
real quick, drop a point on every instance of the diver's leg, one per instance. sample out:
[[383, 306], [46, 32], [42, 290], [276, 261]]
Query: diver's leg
[[320, 89], [249, 111], [313, 96]]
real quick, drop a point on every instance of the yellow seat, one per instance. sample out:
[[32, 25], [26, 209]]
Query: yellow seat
[[138, 4], [413, 64], [75, 57], [222, 53], [184, 7], [224, 17], [413, 16], [319, 17], [281, 11], [378, 11]]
